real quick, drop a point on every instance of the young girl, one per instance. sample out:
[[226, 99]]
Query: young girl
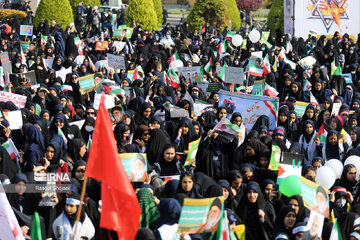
[[332, 149], [308, 141]]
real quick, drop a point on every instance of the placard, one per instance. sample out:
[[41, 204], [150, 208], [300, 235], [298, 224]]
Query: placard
[[191, 74], [213, 86], [101, 46], [29, 76], [119, 45], [87, 83], [335, 109], [234, 75], [200, 215], [258, 87], [109, 101], [175, 111], [26, 30], [275, 157], [5, 62], [116, 61], [251, 107], [135, 165], [314, 226], [62, 73], [288, 157], [300, 108], [15, 119], [24, 45], [18, 100]]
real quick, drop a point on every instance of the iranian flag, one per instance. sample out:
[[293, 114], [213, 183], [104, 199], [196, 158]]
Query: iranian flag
[[11, 148], [256, 70], [89, 143], [287, 97], [335, 70], [270, 91], [91, 65], [282, 54], [313, 100], [222, 232], [165, 76], [174, 79], [117, 91], [230, 35], [208, 66], [227, 129], [266, 65], [65, 88], [307, 85], [43, 41], [23, 58], [174, 57], [60, 132], [222, 48], [335, 232], [136, 75], [222, 72], [288, 47], [322, 134], [77, 42]]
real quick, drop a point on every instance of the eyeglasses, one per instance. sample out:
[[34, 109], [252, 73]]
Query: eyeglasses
[[80, 170], [90, 113]]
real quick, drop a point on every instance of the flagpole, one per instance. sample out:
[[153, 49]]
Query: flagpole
[[81, 204]]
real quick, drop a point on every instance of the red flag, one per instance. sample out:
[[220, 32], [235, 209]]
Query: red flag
[[120, 207]]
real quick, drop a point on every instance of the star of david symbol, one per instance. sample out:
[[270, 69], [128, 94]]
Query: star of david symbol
[[328, 20]]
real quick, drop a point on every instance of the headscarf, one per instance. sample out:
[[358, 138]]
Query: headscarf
[[149, 211], [303, 211], [168, 168], [170, 210], [158, 140], [279, 223], [195, 191], [332, 151]]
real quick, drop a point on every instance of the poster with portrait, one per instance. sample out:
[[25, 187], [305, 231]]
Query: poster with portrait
[[315, 196], [135, 165], [191, 74], [314, 226], [200, 215]]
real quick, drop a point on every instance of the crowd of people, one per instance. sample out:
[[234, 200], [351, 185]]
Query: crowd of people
[[238, 170]]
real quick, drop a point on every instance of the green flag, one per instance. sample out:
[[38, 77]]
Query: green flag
[[36, 228], [335, 70]]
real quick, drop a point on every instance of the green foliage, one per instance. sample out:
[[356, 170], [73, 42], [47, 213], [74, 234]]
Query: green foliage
[[212, 11], [159, 12], [232, 13], [267, 3], [276, 16], [143, 12], [91, 3], [11, 13], [59, 10]]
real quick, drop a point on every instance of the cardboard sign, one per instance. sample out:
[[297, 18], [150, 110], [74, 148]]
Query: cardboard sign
[[26, 30], [109, 101], [300, 108], [191, 74], [5, 62], [314, 226], [87, 83], [195, 215], [135, 165], [213, 87], [119, 45], [16, 79], [116, 61], [101, 46], [15, 119], [234, 75], [62, 73], [18, 100], [24, 45], [176, 111], [336, 108], [258, 87], [49, 62]]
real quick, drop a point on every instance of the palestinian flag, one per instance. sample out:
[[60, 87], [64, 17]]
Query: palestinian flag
[[11, 148], [230, 35], [336, 231], [313, 100], [335, 70], [89, 143], [174, 57], [227, 129], [222, 72], [222, 48], [65, 88], [256, 70], [174, 79], [43, 41], [266, 65], [307, 85], [322, 134], [222, 232], [270, 91], [207, 67], [60, 132]]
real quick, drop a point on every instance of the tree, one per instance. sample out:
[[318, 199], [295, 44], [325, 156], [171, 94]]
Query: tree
[[143, 12], [91, 3], [232, 13], [276, 16], [59, 10], [216, 12], [159, 12], [249, 5]]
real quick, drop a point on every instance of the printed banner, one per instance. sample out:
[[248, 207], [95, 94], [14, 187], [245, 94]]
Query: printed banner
[[87, 83], [300, 108], [190, 74], [18, 100], [234, 75], [5, 62], [315, 196], [251, 107], [275, 157], [200, 215], [286, 170], [193, 149], [116, 61], [26, 30], [135, 165], [123, 30], [23, 80], [258, 87], [324, 17], [314, 226], [109, 101]]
